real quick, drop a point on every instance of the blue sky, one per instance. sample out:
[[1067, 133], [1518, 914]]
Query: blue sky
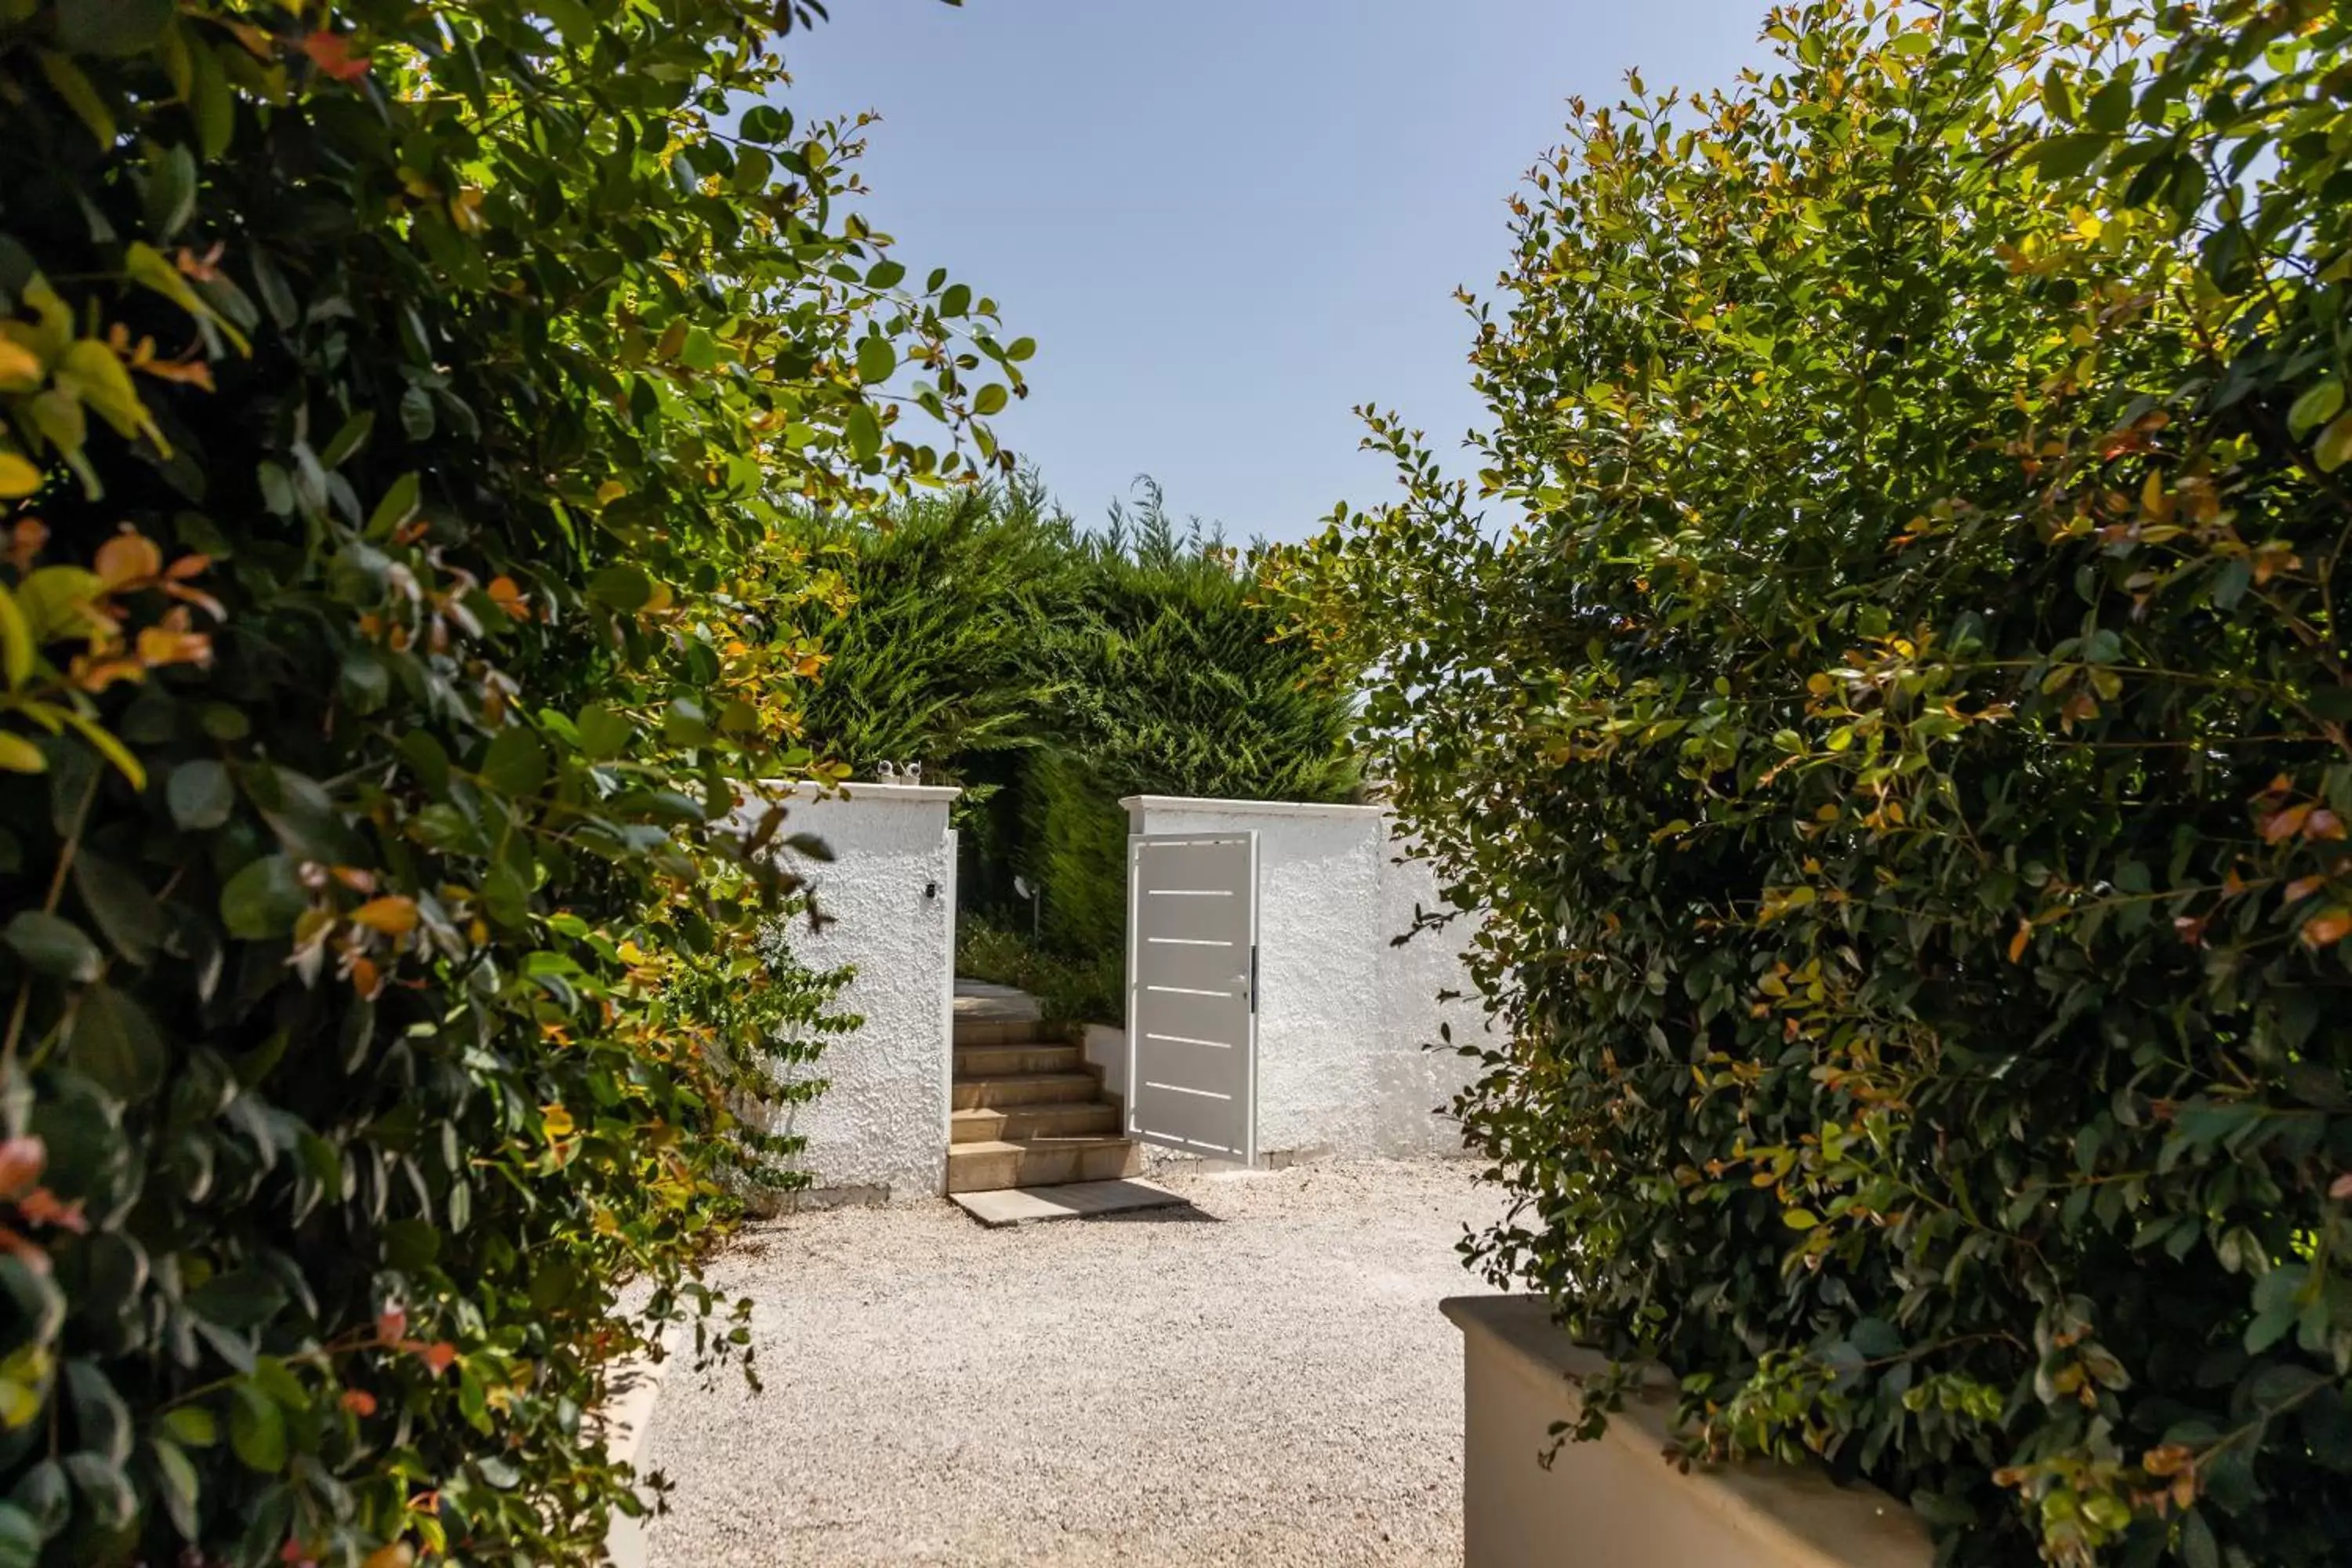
[[1227, 222]]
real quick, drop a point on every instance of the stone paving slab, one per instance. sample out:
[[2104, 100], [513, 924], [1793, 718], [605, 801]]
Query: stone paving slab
[[1078, 1200], [979, 1002]]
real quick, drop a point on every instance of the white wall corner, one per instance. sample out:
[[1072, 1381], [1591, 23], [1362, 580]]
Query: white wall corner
[[881, 1126]]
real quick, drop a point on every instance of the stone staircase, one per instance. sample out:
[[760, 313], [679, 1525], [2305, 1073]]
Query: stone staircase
[[1028, 1111]]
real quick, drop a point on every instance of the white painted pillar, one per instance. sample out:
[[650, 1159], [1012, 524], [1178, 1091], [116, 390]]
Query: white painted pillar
[[878, 1132]]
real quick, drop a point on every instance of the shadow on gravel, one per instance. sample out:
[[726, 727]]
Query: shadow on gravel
[[1178, 1214]]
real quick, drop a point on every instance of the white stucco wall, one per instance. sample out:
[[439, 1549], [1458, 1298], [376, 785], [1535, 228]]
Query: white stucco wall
[[1342, 1014], [879, 1130]]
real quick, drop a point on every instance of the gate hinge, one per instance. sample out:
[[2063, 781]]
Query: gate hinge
[[1253, 979]]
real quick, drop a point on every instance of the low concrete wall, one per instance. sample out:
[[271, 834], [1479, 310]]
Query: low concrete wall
[[1342, 1013], [1106, 1047], [878, 1132], [1614, 1503], [639, 1387]]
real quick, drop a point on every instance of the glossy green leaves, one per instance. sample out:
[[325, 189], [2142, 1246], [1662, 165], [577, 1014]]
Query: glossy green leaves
[[1891, 725]]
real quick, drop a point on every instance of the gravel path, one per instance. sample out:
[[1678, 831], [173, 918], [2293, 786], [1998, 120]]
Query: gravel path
[[1263, 1379]]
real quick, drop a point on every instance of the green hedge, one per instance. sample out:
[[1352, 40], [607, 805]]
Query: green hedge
[[1168, 678], [397, 402], [1052, 671], [1902, 744]]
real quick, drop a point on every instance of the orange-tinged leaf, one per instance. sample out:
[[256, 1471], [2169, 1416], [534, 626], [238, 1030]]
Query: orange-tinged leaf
[[162, 646], [2327, 928], [2017, 942], [399, 1554], [21, 369], [358, 1401], [465, 211], [2303, 888], [128, 557], [186, 372], [95, 675], [2341, 1187], [2323, 824], [392, 914], [440, 1357]]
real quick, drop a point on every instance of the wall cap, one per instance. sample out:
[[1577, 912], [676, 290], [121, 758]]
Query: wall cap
[[1804, 1516], [856, 789], [1246, 807]]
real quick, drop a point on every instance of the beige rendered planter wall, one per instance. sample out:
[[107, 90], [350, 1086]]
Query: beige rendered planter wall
[[1615, 1504]]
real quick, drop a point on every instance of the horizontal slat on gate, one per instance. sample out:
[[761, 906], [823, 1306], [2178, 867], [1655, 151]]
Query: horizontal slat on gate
[[1190, 916], [1166, 1014], [1218, 971], [1198, 1120], [1197, 867]]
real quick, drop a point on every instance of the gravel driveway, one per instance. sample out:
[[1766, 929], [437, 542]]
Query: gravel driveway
[[1263, 1379]]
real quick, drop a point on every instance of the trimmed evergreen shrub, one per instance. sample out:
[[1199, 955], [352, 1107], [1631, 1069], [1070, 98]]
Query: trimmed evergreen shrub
[[1168, 678], [1051, 671]]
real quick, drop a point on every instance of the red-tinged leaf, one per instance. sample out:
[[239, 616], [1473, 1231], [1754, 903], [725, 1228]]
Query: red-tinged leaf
[[391, 1324], [2323, 824], [42, 1206], [22, 1160], [358, 1401], [331, 53], [2281, 826]]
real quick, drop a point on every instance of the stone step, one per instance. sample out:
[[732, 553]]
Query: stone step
[[999, 1164], [1022, 1088], [1009, 1061], [989, 1015], [1066, 1120], [971, 1032]]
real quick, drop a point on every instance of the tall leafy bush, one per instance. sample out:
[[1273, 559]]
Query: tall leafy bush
[[400, 399], [1901, 742]]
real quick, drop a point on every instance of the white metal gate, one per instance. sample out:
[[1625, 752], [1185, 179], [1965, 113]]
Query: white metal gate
[[1192, 984]]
